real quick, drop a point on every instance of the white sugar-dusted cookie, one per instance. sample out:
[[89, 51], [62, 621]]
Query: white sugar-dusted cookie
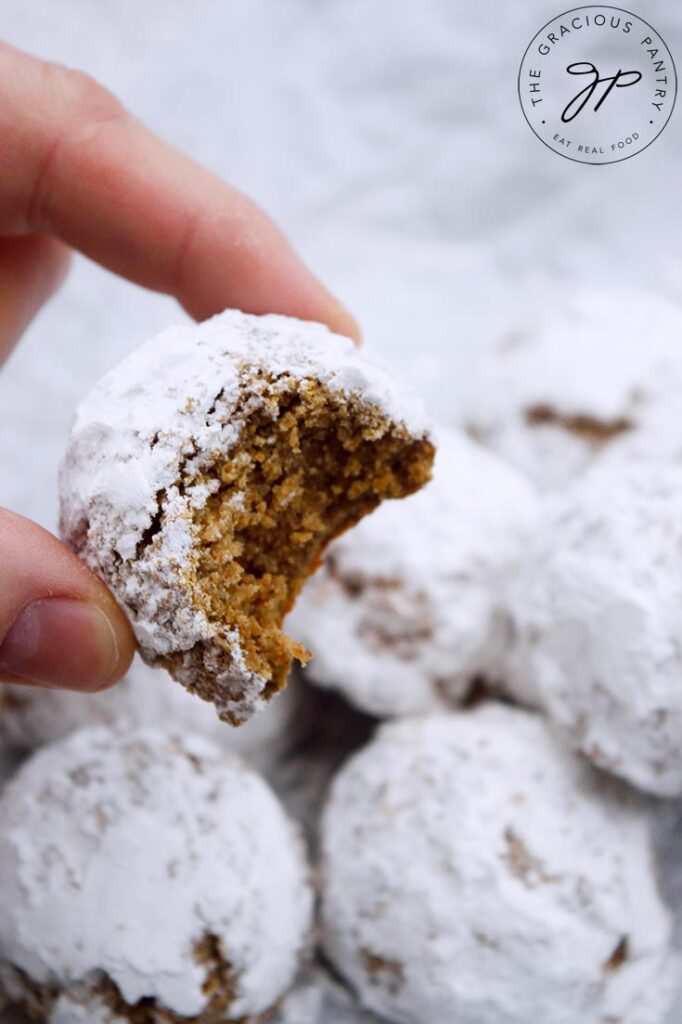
[[476, 872], [319, 998], [147, 866], [31, 716], [551, 400], [406, 611], [658, 439], [596, 609], [206, 473]]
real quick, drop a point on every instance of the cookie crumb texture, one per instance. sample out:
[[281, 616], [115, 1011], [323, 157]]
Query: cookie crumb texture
[[407, 612], [476, 872], [206, 474], [147, 879]]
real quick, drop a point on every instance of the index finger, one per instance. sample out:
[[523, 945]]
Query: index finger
[[76, 164]]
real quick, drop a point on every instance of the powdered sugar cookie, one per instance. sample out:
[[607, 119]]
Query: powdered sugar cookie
[[206, 473], [596, 610], [552, 400], [31, 716], [475, 872], [319, 998], [406, 611], [147, 876]]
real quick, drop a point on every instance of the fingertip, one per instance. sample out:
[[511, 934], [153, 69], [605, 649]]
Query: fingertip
[[57, 266], [122, 635], [59, 624], [341, 321], [32, 268], [65, 643]]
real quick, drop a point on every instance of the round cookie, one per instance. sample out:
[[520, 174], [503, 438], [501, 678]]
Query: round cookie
[[406, 612], [207, 472], [657, 440], [552, 400], [475, 872], [147, 877], [596, 614], [31, 716]]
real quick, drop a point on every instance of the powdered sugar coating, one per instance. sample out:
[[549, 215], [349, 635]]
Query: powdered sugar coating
[[553, 399], [319, 998], [475, 872], [406, 610], [658, 439], [121, 851], [146, 432], [31, 716], [597, 612], [316, 998]]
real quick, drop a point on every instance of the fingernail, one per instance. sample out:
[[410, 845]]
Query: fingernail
[[60, 642]]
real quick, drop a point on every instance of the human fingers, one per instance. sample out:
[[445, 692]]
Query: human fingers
[[77, 165], [59, 625], [31, 269]]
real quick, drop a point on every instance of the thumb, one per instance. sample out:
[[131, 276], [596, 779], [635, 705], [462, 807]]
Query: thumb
[[59, 625]]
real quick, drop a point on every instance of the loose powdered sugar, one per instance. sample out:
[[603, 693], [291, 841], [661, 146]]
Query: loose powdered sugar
[[406, 610], [475, 872], [122, 852]]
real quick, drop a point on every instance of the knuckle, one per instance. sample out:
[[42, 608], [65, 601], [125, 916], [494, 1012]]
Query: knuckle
[[78, 109]]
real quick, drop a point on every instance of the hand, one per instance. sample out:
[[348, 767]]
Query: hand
[[78, 171]]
